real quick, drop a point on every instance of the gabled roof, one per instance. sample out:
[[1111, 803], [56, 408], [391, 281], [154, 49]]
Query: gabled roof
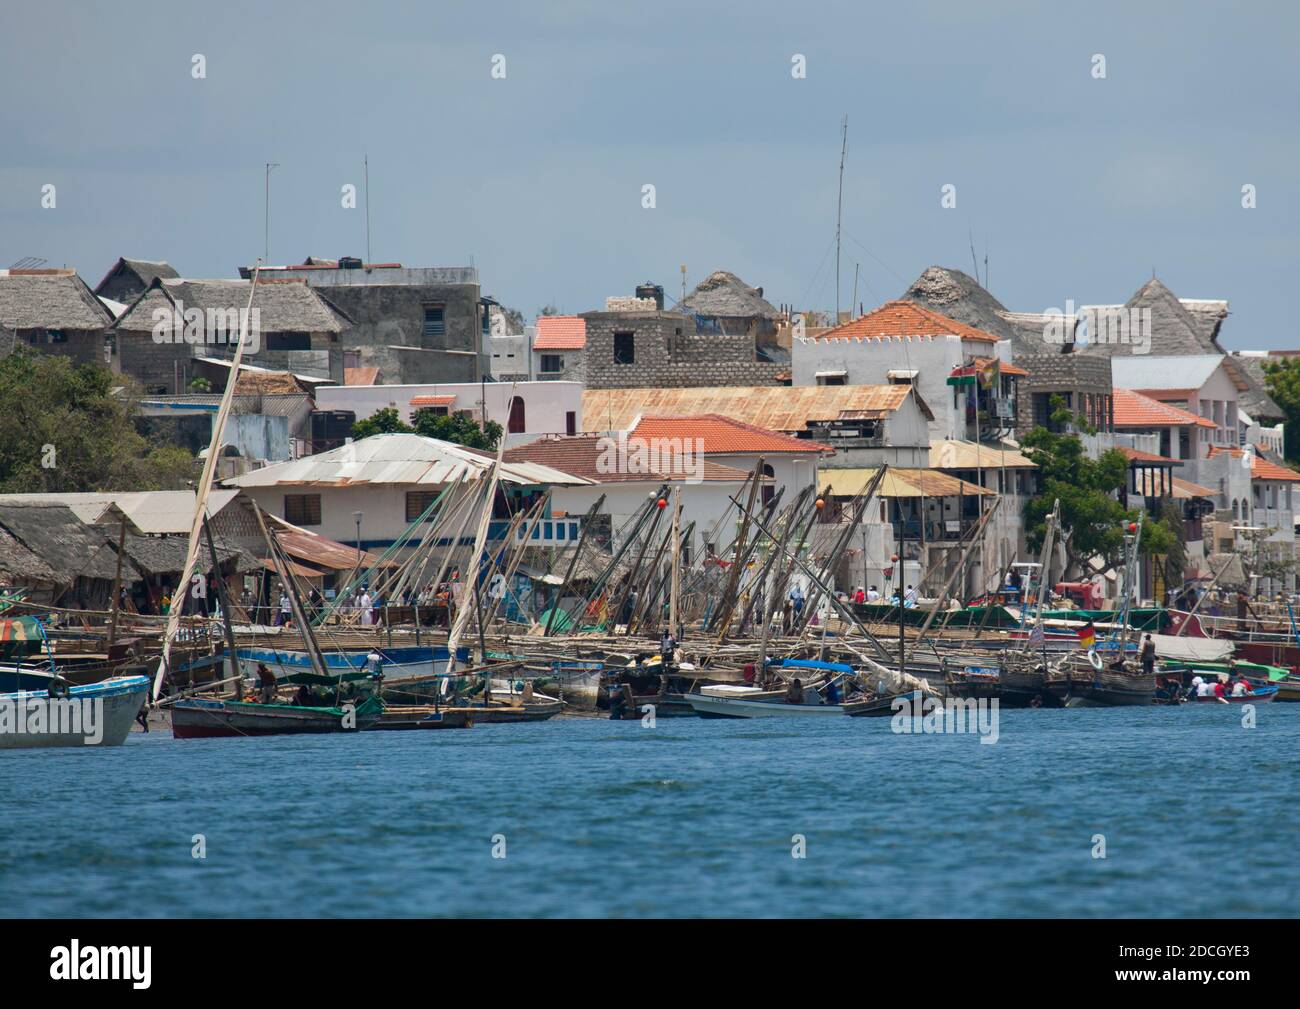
[[49, 299], [790, 409], [385, 459], [560, 332], [1161, 373], [63, 541], [724, 435], [147, 270], [1132, 409], [589, 457], [283, 306], [723, 295], [905, 318]]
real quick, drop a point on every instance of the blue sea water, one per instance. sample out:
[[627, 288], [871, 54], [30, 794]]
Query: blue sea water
[[689, 818]]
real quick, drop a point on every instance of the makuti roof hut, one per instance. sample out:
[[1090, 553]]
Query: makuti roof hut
[[726, 301], [76, 564]]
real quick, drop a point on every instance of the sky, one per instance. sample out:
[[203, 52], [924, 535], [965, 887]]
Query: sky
[[1076, 186]]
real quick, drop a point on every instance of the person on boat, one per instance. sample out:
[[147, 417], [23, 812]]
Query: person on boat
[[286, 610], [832, 691], [794, 692], [265, 684], [1241, 687], [909, 597], [748, 673], [367, 607], [872, 595], [1220, 689], [667, 647], [1148, 655]]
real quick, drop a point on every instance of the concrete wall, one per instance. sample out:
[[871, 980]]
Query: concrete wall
[[545, 403]]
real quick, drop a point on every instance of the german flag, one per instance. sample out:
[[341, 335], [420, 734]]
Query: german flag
[[1087, 635]]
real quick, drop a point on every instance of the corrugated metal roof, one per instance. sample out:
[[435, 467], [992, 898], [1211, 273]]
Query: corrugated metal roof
[[155, 512], [1174, 372], [396, 459], [899, 483], [772, 407], [956, 454]]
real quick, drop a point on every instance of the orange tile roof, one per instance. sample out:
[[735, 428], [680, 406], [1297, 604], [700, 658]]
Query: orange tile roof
[[723, 435], [561, 332], [581, 456], [432, 400], [905, 318], [1133, 409], [1264, 469]]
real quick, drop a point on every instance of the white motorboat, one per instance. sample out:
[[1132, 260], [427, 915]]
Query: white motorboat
[[95, 714]]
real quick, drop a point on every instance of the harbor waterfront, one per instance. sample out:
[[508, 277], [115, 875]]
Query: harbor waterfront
[[694, 817]]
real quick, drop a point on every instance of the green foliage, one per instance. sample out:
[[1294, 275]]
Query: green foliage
[[386, 421], [1282, 379], [199, 384], [1092, 520], [62, 429], [458, 428]]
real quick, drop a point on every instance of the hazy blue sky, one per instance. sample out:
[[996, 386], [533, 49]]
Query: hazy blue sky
[[1078, 187]]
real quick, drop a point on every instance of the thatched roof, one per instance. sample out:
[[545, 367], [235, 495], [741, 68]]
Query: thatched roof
[[284, 306], [146, 270], [63, 542], [49, 299], [18, 564], [165, 555], [1255, 400], [723, 295]]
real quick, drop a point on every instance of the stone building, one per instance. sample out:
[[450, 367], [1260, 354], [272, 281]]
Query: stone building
[[416, 325], [52, 311], [157, 339]]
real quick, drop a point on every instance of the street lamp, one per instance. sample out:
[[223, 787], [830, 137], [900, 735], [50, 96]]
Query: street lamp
[[357, 517]]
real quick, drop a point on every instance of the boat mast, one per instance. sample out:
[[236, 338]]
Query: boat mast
[[205, 489]]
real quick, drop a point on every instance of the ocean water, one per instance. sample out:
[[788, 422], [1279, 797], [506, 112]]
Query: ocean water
[[690, 818]]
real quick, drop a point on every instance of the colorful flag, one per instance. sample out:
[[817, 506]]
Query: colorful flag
[[1087, 636], [1037, 639]]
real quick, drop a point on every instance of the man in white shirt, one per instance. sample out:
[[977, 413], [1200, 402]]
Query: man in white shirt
[[366, 605], [872, 595]]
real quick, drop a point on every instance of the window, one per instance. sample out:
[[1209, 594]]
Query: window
[[830, 380], [570, 422], [302, 509], [552, 364], [517, 423], [288, 341], [417, 503], [434, 322], [625, 348]]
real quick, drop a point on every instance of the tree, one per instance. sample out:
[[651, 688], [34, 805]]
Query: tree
[[515, 321], [1282, 378], [386, 421], [62, 428], [1093, 522], [458, 428]]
